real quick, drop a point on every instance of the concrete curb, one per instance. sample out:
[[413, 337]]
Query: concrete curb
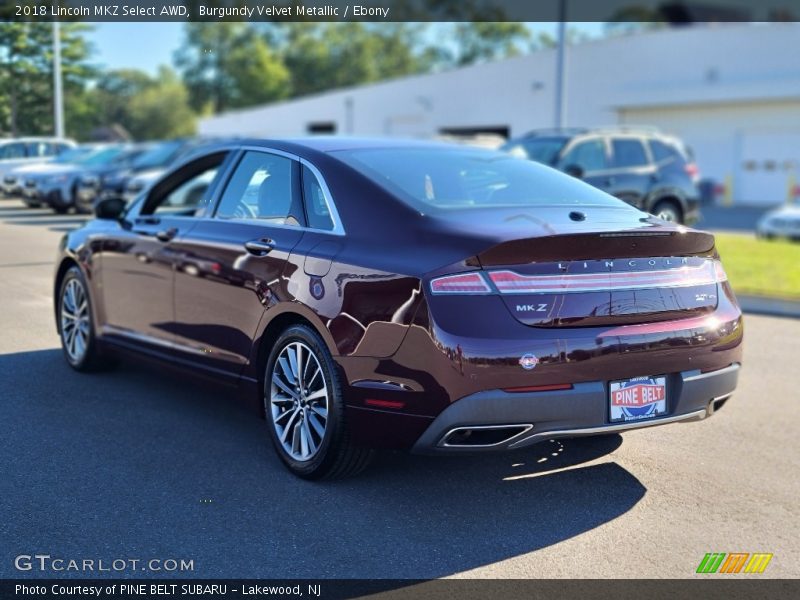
[[769, 306]]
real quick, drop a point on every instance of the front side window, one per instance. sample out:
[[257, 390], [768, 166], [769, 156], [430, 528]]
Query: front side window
[[318, 213], [189, 196], [589, 156], [628, 153], [187, 191], [261, 188]]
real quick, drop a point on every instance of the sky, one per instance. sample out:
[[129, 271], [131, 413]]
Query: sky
[[146, 46]]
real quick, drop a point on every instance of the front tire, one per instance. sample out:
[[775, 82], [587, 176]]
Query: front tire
[[76, 325], [305, 409]]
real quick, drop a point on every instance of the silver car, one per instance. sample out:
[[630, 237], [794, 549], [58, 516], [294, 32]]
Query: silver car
[[19, 152]]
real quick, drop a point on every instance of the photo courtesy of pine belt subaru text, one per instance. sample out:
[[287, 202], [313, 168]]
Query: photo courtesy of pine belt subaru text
[[405, 295]]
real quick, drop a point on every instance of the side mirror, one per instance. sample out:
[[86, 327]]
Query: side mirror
[[574, 170], [110, 208]]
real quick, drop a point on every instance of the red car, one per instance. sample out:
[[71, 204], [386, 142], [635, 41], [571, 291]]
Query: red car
[[385, 294]]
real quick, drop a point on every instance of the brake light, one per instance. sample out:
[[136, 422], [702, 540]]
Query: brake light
[[464, 283], [692, 171]]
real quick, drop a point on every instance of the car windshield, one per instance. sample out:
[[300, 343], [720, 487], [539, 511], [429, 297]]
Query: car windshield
[[160, 155], [442, 179], [74, 154], [544, 150]]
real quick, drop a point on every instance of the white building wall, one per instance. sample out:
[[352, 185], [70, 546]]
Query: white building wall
[[713, 85]]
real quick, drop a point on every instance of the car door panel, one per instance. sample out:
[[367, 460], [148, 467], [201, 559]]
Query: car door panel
[[222, 288], [139, 259], [138, 273]]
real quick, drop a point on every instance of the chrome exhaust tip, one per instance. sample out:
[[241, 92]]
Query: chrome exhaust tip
[[483, 436]]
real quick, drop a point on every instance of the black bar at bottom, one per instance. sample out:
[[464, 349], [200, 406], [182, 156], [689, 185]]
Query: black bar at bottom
[[729, 587]]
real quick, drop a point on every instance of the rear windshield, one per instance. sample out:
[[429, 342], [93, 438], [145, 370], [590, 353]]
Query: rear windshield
[[441, 179]]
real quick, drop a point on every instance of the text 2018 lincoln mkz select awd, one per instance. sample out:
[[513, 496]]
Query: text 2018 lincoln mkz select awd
[[405, 295]]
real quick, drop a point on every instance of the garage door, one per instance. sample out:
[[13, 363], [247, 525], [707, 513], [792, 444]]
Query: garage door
[[768, 165]]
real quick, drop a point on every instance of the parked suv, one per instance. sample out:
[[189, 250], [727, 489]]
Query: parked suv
[[644, 167]]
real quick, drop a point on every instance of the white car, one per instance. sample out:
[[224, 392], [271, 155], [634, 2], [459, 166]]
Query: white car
[[781, 222]]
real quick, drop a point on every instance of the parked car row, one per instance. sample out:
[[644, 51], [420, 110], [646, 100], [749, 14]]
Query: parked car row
[[76, 177]]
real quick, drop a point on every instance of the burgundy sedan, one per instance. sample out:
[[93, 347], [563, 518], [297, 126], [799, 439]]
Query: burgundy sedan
[[385, 294]]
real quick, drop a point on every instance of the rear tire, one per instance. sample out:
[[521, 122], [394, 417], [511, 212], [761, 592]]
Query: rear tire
[[305, 409], [76, 325], [669, 211]]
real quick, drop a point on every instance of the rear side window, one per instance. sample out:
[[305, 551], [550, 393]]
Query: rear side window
[[543, 150], [261, 188], [664, 153], [628, 153], [318, 213], [589, 156]]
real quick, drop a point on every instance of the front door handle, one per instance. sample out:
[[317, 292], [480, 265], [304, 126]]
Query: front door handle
[[167, 234], [259, 247]]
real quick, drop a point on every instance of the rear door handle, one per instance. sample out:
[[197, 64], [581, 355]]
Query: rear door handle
[[259, 247], [167, 234]]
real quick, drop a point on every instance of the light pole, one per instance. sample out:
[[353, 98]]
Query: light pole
[[561, 49], [58, 95]]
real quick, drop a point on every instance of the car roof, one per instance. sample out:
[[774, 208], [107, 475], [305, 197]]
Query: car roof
[[336, 143]]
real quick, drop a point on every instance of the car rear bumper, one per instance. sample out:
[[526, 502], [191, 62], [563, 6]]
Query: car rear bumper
[[522, 419]]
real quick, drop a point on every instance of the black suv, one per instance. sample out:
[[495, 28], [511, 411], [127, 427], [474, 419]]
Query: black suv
[[643, 167]]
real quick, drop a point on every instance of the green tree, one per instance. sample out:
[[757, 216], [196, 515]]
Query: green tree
[[161, 110], [322, 56], [26, 74], [229, 65], [482, 41]]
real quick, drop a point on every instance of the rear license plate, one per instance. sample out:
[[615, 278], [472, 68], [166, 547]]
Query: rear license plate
[[638, 398]]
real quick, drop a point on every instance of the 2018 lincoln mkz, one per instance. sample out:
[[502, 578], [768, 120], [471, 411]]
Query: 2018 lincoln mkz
[[386, 294]]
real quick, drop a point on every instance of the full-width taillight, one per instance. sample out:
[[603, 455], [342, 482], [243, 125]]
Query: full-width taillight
[[463, 283], [509, 282]]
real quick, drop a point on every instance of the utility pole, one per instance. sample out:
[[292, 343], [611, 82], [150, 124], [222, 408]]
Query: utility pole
[[561, 49], [58, 94]]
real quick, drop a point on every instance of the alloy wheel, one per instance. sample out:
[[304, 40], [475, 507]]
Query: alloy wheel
[[75, 323], [299, 401]]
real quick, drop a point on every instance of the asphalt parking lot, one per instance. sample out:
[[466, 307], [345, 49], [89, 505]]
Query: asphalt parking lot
[[141, 463]]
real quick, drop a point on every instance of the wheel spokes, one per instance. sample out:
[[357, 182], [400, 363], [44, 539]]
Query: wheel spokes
[[75, 320], [299, 403]]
